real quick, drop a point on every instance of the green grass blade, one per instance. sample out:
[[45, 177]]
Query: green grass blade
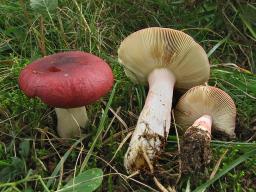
[[215, 47], [231, 143], [4, 163], [188, 189], [61, 162], [225, 170], [100, 129], [248, 25], [218, 143]]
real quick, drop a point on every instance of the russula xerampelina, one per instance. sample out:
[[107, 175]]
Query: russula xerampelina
[[201, 110], [163, 58], [67, 81]]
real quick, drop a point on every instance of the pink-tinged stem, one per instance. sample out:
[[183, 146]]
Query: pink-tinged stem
[[204, 123], [154, 121], [195, 145]]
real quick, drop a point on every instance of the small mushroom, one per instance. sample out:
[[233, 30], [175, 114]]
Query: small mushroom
[[199, 110], [162, 58], [68, 81]]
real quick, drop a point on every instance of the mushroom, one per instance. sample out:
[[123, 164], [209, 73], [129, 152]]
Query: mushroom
[[67, 81], [199, 110], [162, 58]]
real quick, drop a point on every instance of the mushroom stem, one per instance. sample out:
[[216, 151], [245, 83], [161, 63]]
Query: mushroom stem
[[204, 123], [70, 120], [195, 146], [154, 121]]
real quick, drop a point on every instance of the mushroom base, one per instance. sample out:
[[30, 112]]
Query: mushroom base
[[148, 144], [70, 120], [195, 150]]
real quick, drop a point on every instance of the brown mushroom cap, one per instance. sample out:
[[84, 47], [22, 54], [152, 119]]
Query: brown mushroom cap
[[151, 48], [206, 100]]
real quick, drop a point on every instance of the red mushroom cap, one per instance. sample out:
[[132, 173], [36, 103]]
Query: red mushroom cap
[[68, 79]]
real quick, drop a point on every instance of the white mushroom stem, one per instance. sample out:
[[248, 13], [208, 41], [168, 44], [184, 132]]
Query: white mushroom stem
[[204, 123], [154, 121], [70, 120]]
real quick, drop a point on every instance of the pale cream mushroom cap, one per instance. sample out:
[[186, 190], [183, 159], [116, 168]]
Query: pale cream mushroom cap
[[147, 49], [206, 100]]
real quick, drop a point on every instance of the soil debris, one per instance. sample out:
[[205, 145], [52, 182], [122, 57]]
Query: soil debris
[[195, 150]]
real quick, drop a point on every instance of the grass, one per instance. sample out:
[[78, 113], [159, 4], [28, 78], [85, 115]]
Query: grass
[[33, 158]]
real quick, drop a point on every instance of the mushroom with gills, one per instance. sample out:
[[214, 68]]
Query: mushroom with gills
[[199, 111], [161, 57], [67, 81]]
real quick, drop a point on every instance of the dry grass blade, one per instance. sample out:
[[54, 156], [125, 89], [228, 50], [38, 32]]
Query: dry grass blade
[[151, 168], [178, 144], [216, 167], [125, 177], [120, 146], [111, 122], [116, 115], [86, 25], [225, 29], [225, 170]]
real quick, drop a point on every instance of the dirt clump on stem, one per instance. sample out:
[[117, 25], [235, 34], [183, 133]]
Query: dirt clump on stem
[[195, 150]]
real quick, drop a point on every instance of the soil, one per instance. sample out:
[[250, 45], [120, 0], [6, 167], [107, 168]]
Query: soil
[[195, 150]]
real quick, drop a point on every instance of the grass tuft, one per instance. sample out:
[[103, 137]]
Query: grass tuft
[[33, 158]]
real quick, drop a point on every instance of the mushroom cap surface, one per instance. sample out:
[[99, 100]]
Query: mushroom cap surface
[[67, 79], [147, 49], [206, 100]]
